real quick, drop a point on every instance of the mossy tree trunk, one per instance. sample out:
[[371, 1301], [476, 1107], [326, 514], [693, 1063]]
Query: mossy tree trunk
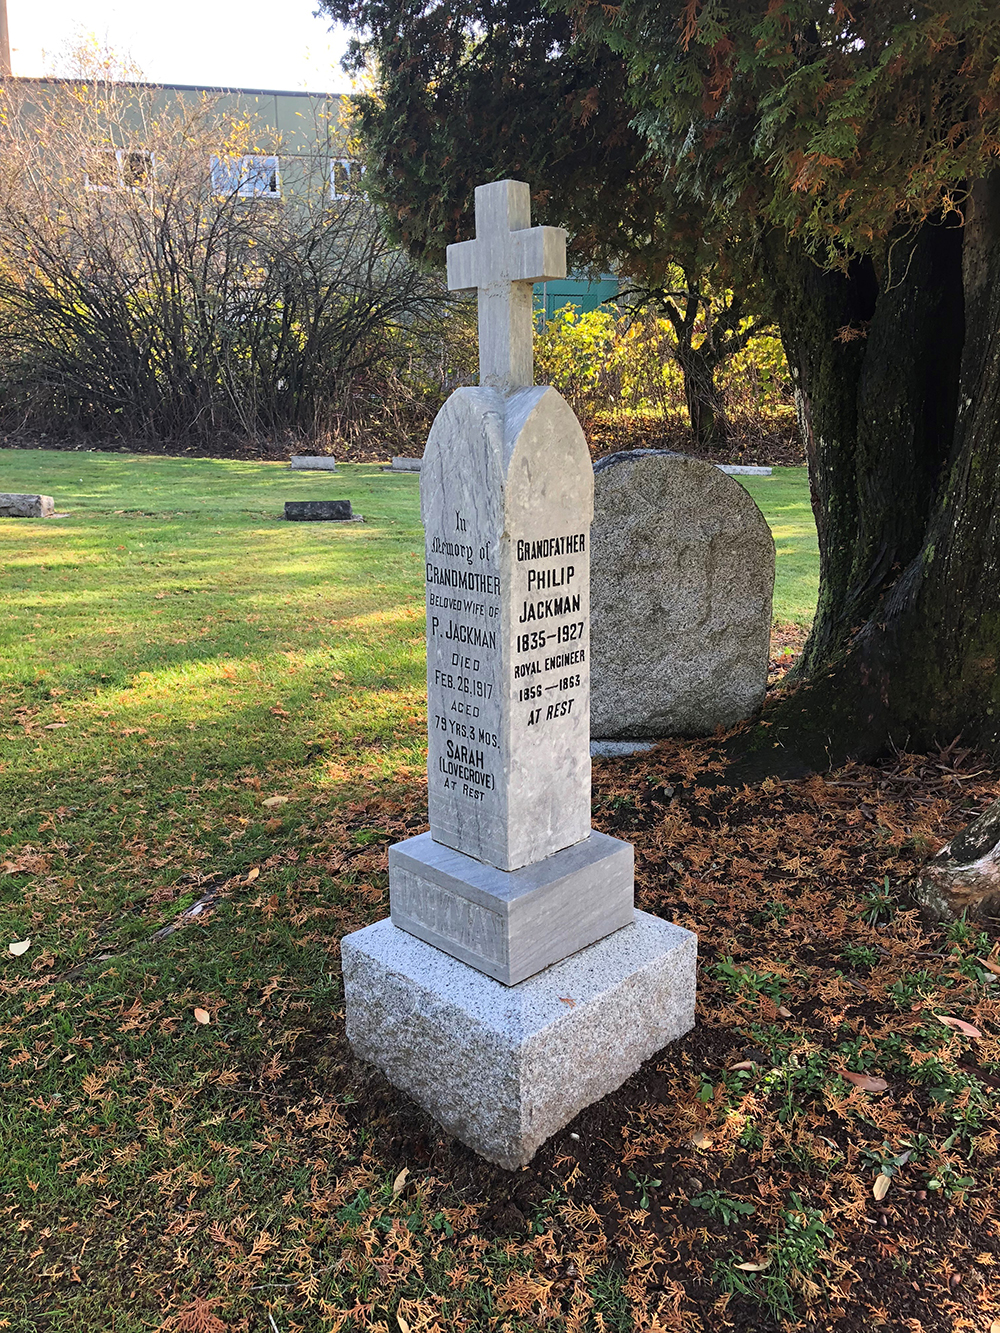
[[897, 369]]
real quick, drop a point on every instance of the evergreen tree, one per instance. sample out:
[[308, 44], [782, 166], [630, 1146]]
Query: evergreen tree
[[854, 151]]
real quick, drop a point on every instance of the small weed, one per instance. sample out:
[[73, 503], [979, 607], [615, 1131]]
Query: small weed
[[722, 1207], [961, 932], [794, 1256], [912, 986], [946, 1181], [859, 956], [776, 912], [799, 1079], [706, 1089], [643, 1184], [880, 905], [440, 1223], [747, 980]]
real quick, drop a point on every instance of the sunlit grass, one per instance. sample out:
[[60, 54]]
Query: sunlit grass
[[174, 656]]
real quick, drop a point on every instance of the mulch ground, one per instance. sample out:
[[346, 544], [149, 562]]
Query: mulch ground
[[736, 1181]]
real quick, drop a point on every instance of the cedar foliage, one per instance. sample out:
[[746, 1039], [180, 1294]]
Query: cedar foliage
[[842, 163]]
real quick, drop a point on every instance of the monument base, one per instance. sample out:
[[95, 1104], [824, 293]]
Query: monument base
[[511, 924], [503, 1068]]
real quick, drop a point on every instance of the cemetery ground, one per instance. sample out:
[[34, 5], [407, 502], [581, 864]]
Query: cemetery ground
[[211, 729]]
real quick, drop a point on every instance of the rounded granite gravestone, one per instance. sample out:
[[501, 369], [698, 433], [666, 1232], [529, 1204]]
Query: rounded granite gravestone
[[682, 577]]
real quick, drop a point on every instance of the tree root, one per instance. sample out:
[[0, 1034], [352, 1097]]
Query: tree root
[[965, 874]]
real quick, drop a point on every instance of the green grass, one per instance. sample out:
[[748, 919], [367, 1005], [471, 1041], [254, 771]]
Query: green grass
[[174, 654], [784, 499]]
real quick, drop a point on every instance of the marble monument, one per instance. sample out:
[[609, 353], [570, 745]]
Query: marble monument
[[514, 982]]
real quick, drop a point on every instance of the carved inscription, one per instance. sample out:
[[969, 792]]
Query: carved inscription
[[455, 918], [464, 657], [546, 565]]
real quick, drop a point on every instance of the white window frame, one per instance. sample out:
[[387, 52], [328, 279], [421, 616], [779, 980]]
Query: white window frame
[[243, 176], [121, 157], [352, 168]]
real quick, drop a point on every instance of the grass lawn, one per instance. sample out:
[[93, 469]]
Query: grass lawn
[[211, 728]]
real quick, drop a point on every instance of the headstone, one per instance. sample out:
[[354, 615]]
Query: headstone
[[682, 581], [312, 463], [511, 896], [318, 511], [26, 506], [406, 465]]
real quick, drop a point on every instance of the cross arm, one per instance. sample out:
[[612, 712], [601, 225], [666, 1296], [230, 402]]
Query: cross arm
[[462, 267], [541, 254]]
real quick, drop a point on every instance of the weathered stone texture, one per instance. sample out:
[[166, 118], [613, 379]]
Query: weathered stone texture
[[506, 495], [26, 506], [511, 924], [503, 1068], [682, 576]]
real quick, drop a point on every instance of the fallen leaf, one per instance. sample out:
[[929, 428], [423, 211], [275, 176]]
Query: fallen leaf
[[272, 801], [252, 875], [754, 1268], [993, 966], [403, 1325], [19, 947], [743, 1064], [202, 1016], [400, 1181], [702, 1139], [272, 903], [881, 1187], [995, 1326], [956, 1024], [866, 1082], [51, 726], [564, 999], [784, 1013]]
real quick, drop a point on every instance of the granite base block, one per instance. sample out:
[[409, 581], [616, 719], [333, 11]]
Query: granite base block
[[503, 1068], [511, 924]]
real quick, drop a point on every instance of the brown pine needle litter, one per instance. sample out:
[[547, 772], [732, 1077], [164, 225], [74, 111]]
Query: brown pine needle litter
[[820, 1152]]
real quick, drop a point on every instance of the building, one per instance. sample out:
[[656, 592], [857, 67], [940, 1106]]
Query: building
[[298, 142]]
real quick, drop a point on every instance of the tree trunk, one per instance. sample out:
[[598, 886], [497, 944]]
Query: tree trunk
[[965, 874], [701, 393], [898, 372]]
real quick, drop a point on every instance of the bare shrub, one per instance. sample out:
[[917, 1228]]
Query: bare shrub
[[151, 288]]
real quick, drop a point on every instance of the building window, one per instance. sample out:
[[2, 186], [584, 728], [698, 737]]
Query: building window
[[346, 178], [248, 177], [119, 169]]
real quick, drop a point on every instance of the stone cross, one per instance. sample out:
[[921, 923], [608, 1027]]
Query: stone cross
[[501, 264]]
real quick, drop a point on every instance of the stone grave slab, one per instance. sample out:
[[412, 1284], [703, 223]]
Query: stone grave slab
[[312, 463], [405, 465], [682, 570], [511, 925], [320, 511], [13, 505], [500, 1067]]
